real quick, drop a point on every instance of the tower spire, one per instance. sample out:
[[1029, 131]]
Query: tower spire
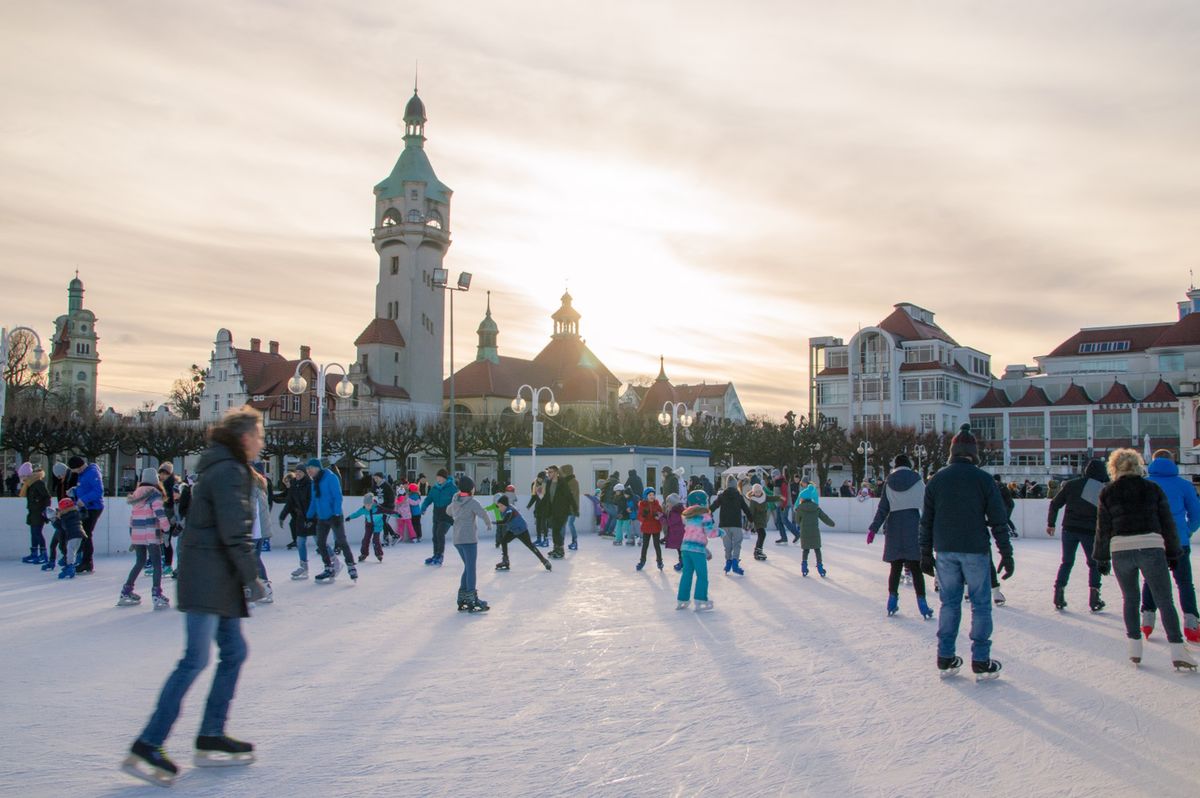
[[662, 370]]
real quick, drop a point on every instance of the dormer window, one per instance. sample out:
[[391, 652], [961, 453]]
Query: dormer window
[[1099, 347]]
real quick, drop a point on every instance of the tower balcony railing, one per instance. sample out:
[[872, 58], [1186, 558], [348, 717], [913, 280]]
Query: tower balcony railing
[[404, 228]]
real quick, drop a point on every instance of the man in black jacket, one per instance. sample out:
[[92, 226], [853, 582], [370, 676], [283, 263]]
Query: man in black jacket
[[1080, 497], [295, 509], [730, 508], [961, 503], [385, 497], [559, 505]]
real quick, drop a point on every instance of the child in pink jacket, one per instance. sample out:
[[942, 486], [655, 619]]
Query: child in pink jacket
[[147, 524], [698, 529]]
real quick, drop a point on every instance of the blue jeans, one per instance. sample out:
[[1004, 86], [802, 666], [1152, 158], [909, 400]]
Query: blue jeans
[[694, 563], [784, 524], [1070, 542], [571, 526], [302, 548], [1183, 581], [468, 552], [611, 509], [200, 630], [258, 550], [954, 571]]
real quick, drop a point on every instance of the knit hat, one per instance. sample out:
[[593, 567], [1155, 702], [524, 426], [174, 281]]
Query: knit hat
[[502, 500], [313, 463], [413, 487], [963, 444], [25, 470], [466, 484], [60, 470], [619, 487], [66, 504], [671, 500], [697, 498], [902, 461], [810, 494], [647, 493], [76, 462], [168, 466], [149, 476], [368, 500], [509, 489]]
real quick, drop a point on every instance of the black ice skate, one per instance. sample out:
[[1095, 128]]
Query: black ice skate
[[949, 666], [985, 670], [221, 752], [150, 764]]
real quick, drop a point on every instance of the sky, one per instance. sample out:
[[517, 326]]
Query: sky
[[715, 182]]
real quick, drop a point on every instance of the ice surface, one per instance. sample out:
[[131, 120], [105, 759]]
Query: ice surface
[[587, 682]]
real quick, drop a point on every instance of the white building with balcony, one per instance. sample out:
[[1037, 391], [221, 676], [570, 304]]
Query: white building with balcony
[[905, 371]]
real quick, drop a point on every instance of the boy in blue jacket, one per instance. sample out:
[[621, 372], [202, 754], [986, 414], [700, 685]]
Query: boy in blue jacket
[[1185, 508], [509, 527], [325, 505]]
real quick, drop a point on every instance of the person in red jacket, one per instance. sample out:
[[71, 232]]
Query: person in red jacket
[[650, 514]]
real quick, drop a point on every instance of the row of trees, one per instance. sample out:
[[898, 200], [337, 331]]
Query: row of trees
[[791, 442]]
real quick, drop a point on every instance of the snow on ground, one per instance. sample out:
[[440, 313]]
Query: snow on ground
[[587, 682]]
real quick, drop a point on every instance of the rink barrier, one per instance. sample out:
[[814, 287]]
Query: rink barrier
[[112, 532]]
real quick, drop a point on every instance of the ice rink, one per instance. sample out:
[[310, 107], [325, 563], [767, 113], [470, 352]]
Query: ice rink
[[587, 682]]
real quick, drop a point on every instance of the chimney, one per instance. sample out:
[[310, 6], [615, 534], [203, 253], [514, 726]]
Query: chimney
[[274, 347], [305, 353], [255, 344]]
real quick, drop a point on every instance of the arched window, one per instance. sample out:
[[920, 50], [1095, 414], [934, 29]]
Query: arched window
[[434, 220], [81, 376], [462, 410], [414, 216], [390, 217]]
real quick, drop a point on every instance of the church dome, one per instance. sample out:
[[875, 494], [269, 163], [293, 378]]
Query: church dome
[[76, 284], [415, 110]]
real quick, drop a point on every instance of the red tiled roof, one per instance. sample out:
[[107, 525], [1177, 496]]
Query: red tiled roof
[[1140, 337], [994, 398], [389, 391], [837, 371], [485, 378], [1185, 332], [1074, 396], [61, 346], [381, 331], [255, 366], [660, 392], [1162, 393], [1034, 397], [562, 356], [906, 328], [1118, 394]]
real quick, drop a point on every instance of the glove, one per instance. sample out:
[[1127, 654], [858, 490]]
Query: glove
[[255, 590], [1104, 567], [870, 537], [1006, 566], [928, 565]]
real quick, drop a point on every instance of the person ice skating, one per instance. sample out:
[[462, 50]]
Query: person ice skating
[[670, 481], [89, 499], [650, 513], [760, 509], [217, 576], [295, 509], [730, 509], [403, 514], [439, 496], [71, 524], [624, 527], [899, 516], [464, 511], [260, 529], [511, 526], [572, 485], [169, 482], [414, 506], [1136, 536], [374, 523], [325, 506], [561, 504], [674, 527], [961, 503], [59, 492], [1185, 510], [147, 525], [37, 500], [1079, 498], [699, 527], [537, 503], [386, 498], [809, 517]]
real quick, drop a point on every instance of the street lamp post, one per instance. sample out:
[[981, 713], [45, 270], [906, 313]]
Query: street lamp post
[[518, 406], [921, 453], [675, 415], [298, 385], [865, 448], [38, 364], [441, 279]]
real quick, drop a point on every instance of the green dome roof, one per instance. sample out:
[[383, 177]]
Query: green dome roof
[[415, 110], [413, 165]]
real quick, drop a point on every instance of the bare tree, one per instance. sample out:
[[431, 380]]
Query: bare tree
[[184, 397], [398, 440]]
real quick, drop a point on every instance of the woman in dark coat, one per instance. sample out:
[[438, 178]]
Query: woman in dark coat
[[37, 499], [218, 573], [899, 515]]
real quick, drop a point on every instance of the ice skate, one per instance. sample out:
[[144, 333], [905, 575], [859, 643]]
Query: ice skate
[[629, 541], [546, 564], [503, 565], [438, 561], [430, 560], [949, 666], [1135, 651], [221, 752], [736, 567], [464, 603], [337, 566], [1095, 604], [32, 559], [353, 573], [660, 565], [161, 602], [821, 570], [758, 555], [326, 577], [704, 606], [804, 568], [168, 572], [893, 604], [1181, 658], [478, 604], [985, 670], [1147, 624], [268, 594], [923, 608], [1060, 601], [150, 764], [48, 565], [301, 572], [128, 598], [997, 597], [68, 572], [573, 546], [782, 540], [682, 605], [678, 566], [1191, 628], [640, 565]]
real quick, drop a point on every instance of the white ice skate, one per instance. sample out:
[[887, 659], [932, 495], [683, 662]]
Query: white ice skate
[[301, 572], [682, 605], [704, 606], [268, 595], [1181, 658], [1135, 651]]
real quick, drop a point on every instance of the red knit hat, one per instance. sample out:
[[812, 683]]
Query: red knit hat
[[66, 504]]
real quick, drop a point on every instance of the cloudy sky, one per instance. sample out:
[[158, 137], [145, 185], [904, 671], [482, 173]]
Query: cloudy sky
[[718, 182]]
